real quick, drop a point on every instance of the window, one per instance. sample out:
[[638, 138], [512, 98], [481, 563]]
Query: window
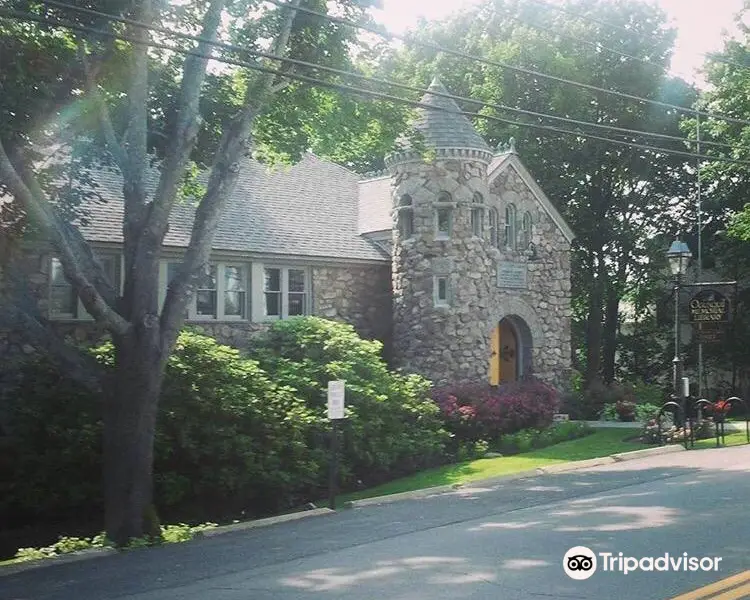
[[235, 292], [477, 216], [510, 226], [285, 291], [221, 291], [205, 293], [526, 230], [63, 301], [494, 221], [405, 217], [441, 290], [444, 223]]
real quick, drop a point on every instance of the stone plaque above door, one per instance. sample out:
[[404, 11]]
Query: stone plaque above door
[[512, 275]]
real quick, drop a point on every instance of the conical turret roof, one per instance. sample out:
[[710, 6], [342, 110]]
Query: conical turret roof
[[444, 129]]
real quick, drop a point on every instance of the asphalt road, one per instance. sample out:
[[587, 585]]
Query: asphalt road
[[501, 542]]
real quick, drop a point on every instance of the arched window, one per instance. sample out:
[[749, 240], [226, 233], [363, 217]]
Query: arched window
[[511, 227], [405, 217], [477, 215], [443, 216], [526, 226], [494, 224]]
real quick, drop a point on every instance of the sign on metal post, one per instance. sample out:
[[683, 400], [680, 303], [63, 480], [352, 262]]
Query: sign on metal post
[[709, 306], [336, 394]]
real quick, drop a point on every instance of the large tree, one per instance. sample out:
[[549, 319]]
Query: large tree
[[109, 91]]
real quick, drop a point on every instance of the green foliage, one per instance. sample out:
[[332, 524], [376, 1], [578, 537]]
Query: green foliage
[[392, 427], [641, 412], [599, 401], [530, 439], [235, 437], [170, 534]]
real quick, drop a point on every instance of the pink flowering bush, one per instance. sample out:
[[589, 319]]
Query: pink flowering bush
[[482, 412]]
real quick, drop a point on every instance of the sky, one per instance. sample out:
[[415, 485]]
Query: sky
[[700, 24]]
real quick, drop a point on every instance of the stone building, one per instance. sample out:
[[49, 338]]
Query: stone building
[[454, 258]]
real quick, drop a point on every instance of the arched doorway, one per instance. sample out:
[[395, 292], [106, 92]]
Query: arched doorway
[[510, 351]]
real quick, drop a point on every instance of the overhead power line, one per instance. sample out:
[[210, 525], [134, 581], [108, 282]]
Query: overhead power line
[[357, 90], [382, 81], [709, 55], [514, 68]]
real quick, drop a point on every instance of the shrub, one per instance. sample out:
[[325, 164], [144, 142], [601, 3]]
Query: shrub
[[525, 440], [481, 412], [392, 427]]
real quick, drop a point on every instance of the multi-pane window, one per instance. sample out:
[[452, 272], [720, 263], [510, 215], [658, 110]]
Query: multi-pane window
[[405, 217], [286, 292], [235, 291], [441, 291], [477, 215], [494, 224], [63, 301], [526, 230], [205, 294], [220, 293], [443, 216], [511, 226]]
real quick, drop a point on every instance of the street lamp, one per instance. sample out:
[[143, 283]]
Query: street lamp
[[679, 256]]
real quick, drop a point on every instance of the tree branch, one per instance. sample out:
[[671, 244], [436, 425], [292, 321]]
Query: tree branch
[[105, 119], [32, 199], [188, 122], [221, 182]]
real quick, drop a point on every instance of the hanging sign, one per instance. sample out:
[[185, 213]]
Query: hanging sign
[[709, 306]]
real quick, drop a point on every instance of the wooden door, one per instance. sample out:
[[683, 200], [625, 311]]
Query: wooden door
[[495, 356], [508, 344]]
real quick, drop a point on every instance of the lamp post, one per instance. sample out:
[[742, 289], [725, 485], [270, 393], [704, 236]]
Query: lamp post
[[679, 256]]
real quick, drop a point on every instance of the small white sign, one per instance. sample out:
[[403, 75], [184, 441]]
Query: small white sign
[[560, 417], [336, 392]]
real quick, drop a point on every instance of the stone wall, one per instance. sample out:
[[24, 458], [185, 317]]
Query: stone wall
[[451, 344], [545, 303], [447, 344], [356, 294]]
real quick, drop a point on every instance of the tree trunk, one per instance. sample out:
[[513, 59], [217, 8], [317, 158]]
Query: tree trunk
[[611, 322], [594, 331], [129, 426]]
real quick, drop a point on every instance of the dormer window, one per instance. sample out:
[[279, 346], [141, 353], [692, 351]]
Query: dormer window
[[405, 217], [511, 233], [477, 215], [444, 216]]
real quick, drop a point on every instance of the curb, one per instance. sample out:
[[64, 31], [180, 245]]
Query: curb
[[245, 525], [61, 559], [91, 553], [646, 452], [539, 471]]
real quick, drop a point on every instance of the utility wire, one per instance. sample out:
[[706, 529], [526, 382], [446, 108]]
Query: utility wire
[[387, 82], [503, 65], [357, 90], [714, 56]]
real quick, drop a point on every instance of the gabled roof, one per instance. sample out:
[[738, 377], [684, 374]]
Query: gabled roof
[[307, 209], [443, 129], [510, 160], [375, 205]]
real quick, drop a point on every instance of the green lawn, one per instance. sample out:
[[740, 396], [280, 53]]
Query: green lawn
[[735, 438], [600, 443]]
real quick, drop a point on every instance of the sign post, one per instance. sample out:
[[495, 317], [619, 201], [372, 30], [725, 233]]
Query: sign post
[[336, 395]]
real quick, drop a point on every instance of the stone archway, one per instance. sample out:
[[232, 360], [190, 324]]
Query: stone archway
[[515, 334]]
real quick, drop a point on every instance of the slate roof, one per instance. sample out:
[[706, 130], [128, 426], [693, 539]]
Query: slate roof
[[375, 205], [308, 209], [442, 129]]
